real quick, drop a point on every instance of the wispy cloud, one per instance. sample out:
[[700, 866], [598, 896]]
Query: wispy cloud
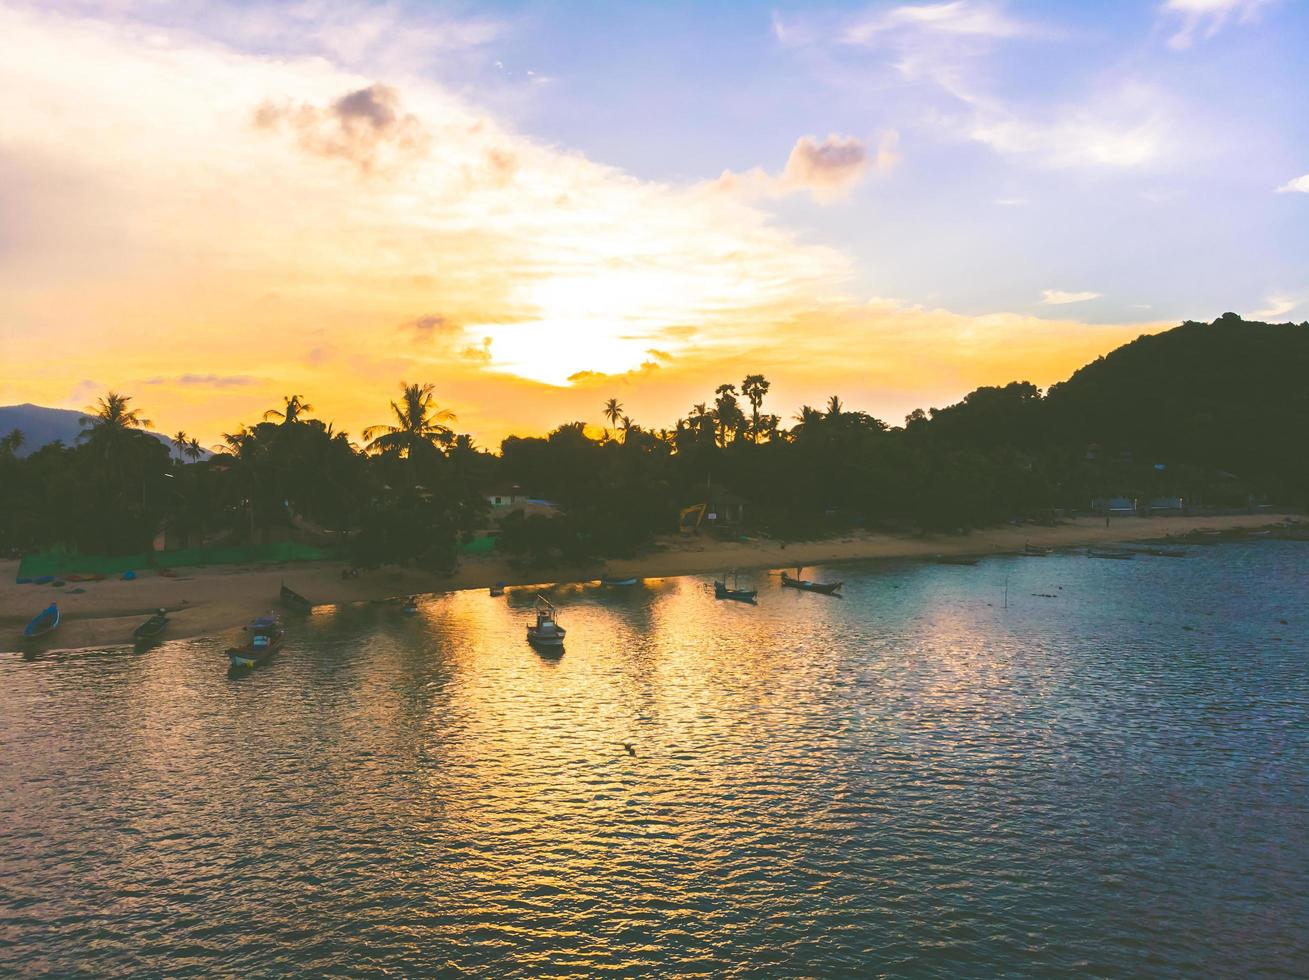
[[1205, 18], [1060, 297], [827, 169], [1278, 305], [1300, 184], [205, 380], [960, 17]]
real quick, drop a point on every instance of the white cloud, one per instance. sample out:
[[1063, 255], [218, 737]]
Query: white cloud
[[1059, 297], [827, 169], [960, 17], [1205, 18], [1278, 305], [1300, 184]]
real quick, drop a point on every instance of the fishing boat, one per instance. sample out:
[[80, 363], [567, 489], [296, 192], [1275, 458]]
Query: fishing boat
[[1116, 554], [804, 585], [721, 590], [497, 590], [294, 600], [266, 638], [955, 560], [411, 606], [149, 631], [43, 623], [1032, 551], [606, 580], [545, 630], [1162, 552]]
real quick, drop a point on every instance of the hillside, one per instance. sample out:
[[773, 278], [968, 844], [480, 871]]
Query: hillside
[[41, 426]]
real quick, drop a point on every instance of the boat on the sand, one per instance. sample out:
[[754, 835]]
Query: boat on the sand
[[150, 630], [43, 623], [294, 600]]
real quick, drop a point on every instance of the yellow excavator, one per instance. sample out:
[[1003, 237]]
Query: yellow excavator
[[690, 518]]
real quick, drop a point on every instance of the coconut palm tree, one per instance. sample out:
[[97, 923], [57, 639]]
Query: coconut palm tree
[[180, 441], [111, 427], [754, 387], [418, 423], [294, 407], [835, 409], [192, 450], [627, 425], [613, 411]]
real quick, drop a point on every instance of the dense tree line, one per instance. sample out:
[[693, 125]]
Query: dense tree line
[[1216, 413]]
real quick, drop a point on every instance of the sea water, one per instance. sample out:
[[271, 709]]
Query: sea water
[[1031, 766]]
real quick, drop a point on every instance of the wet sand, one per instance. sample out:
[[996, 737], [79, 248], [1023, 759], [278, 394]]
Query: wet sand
[[209, 601]]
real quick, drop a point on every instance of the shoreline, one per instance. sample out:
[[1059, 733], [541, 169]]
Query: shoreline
[[212, 601]]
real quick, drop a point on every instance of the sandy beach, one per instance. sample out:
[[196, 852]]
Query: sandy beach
[[213, 601]]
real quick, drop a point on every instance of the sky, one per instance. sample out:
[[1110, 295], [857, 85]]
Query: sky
[[539, 206]]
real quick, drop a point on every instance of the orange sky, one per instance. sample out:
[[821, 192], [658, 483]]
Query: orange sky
[[208, 231]]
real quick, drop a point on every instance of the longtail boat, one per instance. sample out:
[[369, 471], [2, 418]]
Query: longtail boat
[[266, 638], [43, 623], [149, 631], [823, 588], [294, 600], [721, 590]]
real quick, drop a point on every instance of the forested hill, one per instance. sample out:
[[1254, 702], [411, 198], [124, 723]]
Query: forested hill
[[1229, 395]]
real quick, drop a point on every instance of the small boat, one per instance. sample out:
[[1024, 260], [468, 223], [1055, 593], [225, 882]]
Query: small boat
[[149, 631], [955, 560], [545, 631], [43, 623], [721, 591], [823, 588], [1117, 554], [606, 580], [294, 600], [411, 606], [497, 590], [1162, 552], [266, 638], [1032, 551]]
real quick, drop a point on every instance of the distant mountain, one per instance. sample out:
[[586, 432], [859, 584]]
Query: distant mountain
[[41, 426]]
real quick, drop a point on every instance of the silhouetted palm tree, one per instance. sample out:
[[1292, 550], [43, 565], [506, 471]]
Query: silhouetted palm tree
[[418, 424], [294, 407], [110, 427], [11, 443], [754, 387], [613, 411], [627, 425], [835, 409], [180, 440], [192, 450]]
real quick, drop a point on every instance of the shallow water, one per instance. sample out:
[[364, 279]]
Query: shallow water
[[914, 779]]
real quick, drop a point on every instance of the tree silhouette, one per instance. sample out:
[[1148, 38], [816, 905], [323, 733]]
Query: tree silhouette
[[293, 407], [613, 411], [754, 387], [419, 425]]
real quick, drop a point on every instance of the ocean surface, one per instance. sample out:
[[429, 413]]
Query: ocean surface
[[1109, 776]]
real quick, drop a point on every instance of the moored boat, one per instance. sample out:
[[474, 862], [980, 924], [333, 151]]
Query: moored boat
[[722, 591], [149, 631], [266, 638], [545, 630], [955, 560], [411, 606], [43, 623], [631, 580], [822, 588], [1033, 551], [1116, 554], [497, 590], [294, 600]]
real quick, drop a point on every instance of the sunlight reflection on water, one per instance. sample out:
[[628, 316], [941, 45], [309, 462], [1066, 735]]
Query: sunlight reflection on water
[[912, 779]]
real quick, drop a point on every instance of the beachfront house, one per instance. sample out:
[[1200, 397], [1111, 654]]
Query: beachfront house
[[1115, 506], [1167, 506], [506, 496]]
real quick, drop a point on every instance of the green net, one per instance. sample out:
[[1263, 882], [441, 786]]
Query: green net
[[60, 562]]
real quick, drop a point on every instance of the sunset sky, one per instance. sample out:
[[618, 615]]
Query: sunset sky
[[537, 206]]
